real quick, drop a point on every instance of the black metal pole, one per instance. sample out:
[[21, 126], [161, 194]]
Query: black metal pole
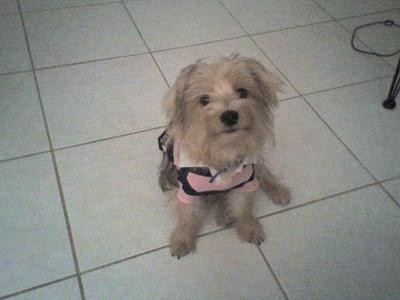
[[390, 102]]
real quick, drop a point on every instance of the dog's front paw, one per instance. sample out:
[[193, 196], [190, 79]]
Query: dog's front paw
[[181, 243], [279, 194], [250, 230]]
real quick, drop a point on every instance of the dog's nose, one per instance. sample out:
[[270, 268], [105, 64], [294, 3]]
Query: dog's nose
[[229, 117]]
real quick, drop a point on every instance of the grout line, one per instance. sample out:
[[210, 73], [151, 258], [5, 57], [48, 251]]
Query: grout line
[[108, 138], [362, 15], [90, 61], [144, 42], [68, 7], [200, 44], [290, 98], [291, 27], [60, 189], [220, 229], [68, 225], [346, 85], [9, 14], [15, 72], [389, 194], [23, 156], [390, 178], [36, 287], [341, 141], [273, 273], [279, 70], [123, 259], [351, 32], [329, 197], [321, 22]]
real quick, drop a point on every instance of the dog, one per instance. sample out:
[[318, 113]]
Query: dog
[[220, 116]]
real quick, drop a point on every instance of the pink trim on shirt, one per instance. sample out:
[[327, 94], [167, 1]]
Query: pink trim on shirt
[[250, 186], [202, 183]]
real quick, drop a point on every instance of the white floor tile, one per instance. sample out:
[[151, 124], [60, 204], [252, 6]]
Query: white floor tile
[[345, 8], [64, 290], [34, 242], [21, 122], [13, 52], [8, 7], [379, 38], [259, 16], [308, 158], [116, 207], [101, 99], [80, 34], [393, 187], [172, 23], [341, 248], [222, 268], [172, 61], [32, 5], [372, 132], [320, 57]]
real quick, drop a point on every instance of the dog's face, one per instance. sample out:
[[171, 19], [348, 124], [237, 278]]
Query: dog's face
[[224, 107]]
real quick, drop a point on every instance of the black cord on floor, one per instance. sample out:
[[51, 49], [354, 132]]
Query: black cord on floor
[[388, 23]]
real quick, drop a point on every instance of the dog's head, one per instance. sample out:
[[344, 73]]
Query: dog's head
[[222, 109]]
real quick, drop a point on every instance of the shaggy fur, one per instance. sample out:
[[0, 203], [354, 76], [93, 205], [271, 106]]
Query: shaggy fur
[[197, 124]]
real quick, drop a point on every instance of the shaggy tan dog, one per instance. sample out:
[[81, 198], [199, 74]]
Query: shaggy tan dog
[[220, 118]]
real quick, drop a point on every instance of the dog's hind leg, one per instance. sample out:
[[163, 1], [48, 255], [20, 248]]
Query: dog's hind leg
[[278, 192]]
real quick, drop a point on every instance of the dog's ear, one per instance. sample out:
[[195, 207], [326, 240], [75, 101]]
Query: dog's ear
[[268, 83], [174, 101]]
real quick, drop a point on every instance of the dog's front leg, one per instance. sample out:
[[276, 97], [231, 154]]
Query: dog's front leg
[[183, 238], [278, 192], [247, 226]]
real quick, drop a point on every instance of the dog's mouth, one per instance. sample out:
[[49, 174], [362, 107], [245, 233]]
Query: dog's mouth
[[235, 130]]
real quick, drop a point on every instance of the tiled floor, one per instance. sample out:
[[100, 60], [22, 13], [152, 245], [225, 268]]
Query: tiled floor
[[81, 215]]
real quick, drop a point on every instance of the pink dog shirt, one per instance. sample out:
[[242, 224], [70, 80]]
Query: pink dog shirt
[[197, 181]]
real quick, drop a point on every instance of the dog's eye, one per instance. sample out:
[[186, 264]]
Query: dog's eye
[[204, 100], [242, 93]]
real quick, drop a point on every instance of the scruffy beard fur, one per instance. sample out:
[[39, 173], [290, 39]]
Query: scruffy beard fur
[[194, 105]]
